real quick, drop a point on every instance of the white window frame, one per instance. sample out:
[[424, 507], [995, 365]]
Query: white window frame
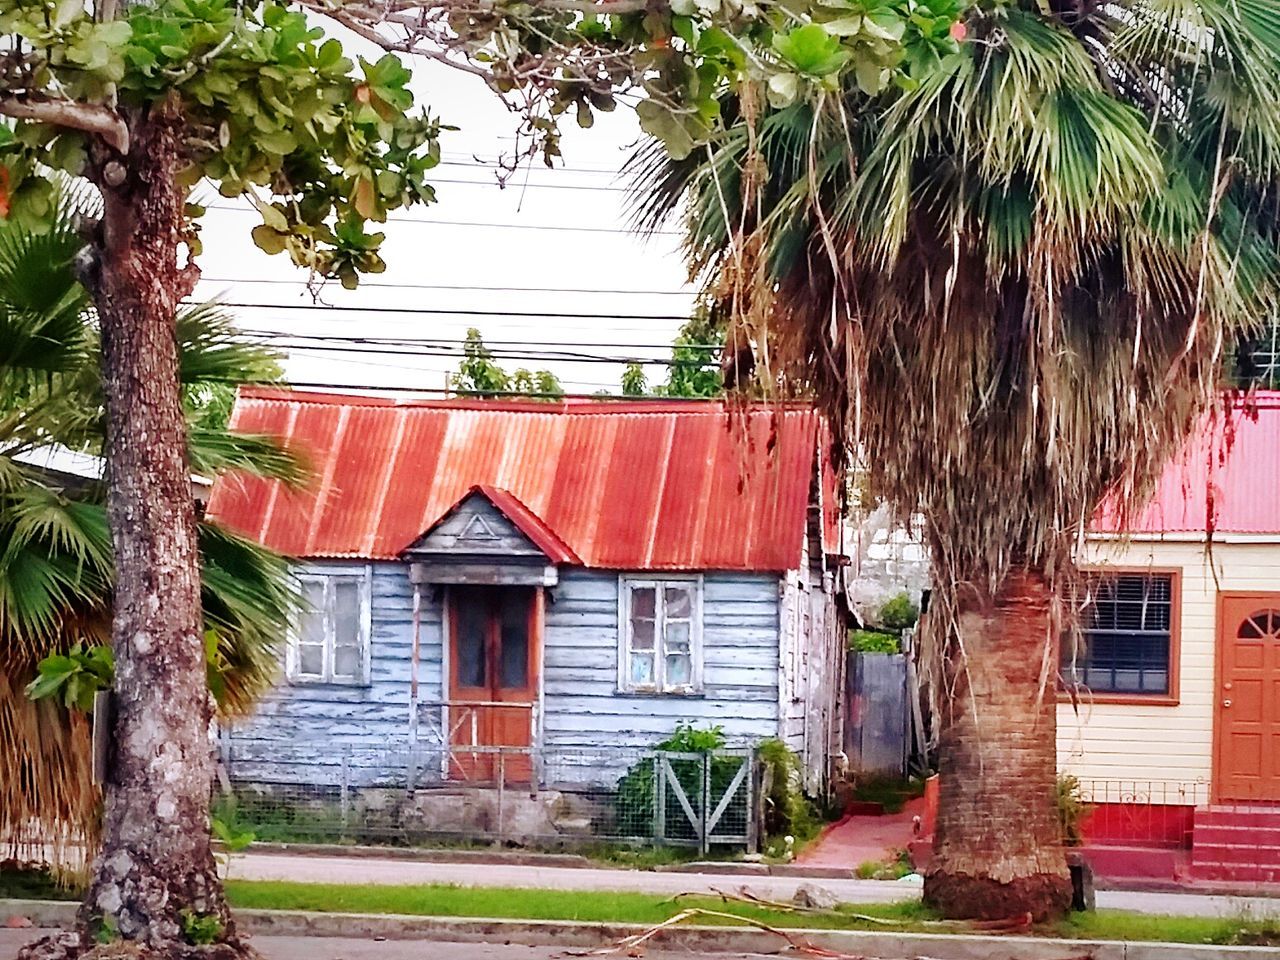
[[293, 665], [626, 585]]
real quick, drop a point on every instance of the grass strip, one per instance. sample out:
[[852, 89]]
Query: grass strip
[[608, 907]]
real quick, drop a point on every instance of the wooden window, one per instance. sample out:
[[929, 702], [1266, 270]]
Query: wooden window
[[660, 635], [330, 642], [1127, 644]]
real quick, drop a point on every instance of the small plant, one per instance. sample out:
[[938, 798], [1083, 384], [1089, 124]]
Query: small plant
[[788, 812], [74, 677], [893, 868], [234, 837], [105, 931], [1071, 809], [200, 929], [873, 641], [899, 613]]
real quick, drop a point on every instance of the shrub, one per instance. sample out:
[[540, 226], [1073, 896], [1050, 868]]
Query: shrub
[[787, 811], [873, 641], [898, 613], [634, 802], [1071, 809]]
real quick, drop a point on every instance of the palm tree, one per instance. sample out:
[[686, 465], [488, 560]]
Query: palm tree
[[1012, 288], [55, 546]]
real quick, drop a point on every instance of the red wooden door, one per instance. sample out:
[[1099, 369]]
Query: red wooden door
[[493, 684], [1247, 745]]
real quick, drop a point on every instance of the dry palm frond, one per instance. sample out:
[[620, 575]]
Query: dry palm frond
[[1012, 288]]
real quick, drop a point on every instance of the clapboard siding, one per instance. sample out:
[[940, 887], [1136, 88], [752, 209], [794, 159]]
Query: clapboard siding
[[1167, 745], [583, 708], [310, 724], [300, 729]]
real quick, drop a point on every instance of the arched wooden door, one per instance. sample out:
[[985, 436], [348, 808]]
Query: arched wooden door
[[1247, 713]]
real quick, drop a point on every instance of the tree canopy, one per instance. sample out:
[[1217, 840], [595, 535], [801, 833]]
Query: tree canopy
[[480, 375]]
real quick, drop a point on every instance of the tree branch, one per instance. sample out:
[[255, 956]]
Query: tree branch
[[73, 115]]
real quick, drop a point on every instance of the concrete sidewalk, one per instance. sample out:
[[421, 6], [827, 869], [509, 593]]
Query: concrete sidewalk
[[366, 871]]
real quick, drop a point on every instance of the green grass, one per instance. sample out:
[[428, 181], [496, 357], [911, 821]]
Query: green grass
[[641, 908], [592, 906], [890, 792]]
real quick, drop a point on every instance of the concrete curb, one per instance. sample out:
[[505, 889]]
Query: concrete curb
[[358, 852], [556, 933]]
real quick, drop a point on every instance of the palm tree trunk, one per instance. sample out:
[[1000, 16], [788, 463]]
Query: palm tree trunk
[[155, 873], [998, 849]]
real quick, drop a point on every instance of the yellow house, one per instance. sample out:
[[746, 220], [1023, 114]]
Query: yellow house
[[1174, 729]]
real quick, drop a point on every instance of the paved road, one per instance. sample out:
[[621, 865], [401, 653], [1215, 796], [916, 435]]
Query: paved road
[[311, 948], [366, 871]]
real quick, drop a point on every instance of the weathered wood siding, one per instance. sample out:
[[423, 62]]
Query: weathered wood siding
[[301, 730], [583, 708], [591, 732]]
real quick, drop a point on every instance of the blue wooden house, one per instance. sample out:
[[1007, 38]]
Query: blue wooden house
[[554, 584]]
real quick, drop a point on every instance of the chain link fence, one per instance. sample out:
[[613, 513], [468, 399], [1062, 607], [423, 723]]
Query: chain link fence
[[398, 793]]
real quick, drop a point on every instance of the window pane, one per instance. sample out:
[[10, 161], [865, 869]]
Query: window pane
[[679, 602], [515, 640], [643, 603], [346, 613], [641, 634], [311, 659], [471, 644], [679, 670], [311, 616], [346, 662], [642, 669], [678, 636]]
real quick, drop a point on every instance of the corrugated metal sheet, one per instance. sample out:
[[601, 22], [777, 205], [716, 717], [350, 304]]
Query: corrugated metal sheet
[[1227, 479], [631, 485]]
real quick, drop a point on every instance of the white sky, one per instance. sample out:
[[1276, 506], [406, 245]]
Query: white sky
[[561, 230]]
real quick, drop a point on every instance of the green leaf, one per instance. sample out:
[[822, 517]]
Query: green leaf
[[845, 26], [268, 240], [811, 50]]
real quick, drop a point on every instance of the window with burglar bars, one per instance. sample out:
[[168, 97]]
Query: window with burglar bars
[[1125, 643], [660, 635], [1258, 360], [330, 642]]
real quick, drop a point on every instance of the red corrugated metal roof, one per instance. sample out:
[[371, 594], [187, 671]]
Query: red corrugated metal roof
[[626, 485], [1227, 479]]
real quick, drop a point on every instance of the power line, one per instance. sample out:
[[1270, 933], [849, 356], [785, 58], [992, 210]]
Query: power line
[[498, 344], [366, 284], [488, 226], [434, 311], [460, 353]]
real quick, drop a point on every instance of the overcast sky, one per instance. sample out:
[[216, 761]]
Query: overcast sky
[[545, 260]]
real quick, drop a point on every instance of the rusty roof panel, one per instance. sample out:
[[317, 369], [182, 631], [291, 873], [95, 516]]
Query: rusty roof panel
[[1227, 479], [629, 485]]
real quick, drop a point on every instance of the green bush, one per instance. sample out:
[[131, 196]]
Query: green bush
[[634, 801], [787, 811], [873, 641], [899, 613]]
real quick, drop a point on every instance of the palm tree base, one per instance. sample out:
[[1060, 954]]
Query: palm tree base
[[77, 946], [958, 896]]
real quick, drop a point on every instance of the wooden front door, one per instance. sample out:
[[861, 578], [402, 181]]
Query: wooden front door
[[1247, 740], [493, 681]]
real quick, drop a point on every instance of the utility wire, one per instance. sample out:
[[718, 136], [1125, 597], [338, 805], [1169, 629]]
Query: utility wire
[[488, 226], [367, 284], [436, 311], [488, 344], [493, 354]]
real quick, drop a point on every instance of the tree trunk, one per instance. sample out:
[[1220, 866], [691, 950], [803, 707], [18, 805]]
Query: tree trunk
[[154, 886], [998, 849]]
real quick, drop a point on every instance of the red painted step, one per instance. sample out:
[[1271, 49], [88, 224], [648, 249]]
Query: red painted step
[[1236, 843]]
